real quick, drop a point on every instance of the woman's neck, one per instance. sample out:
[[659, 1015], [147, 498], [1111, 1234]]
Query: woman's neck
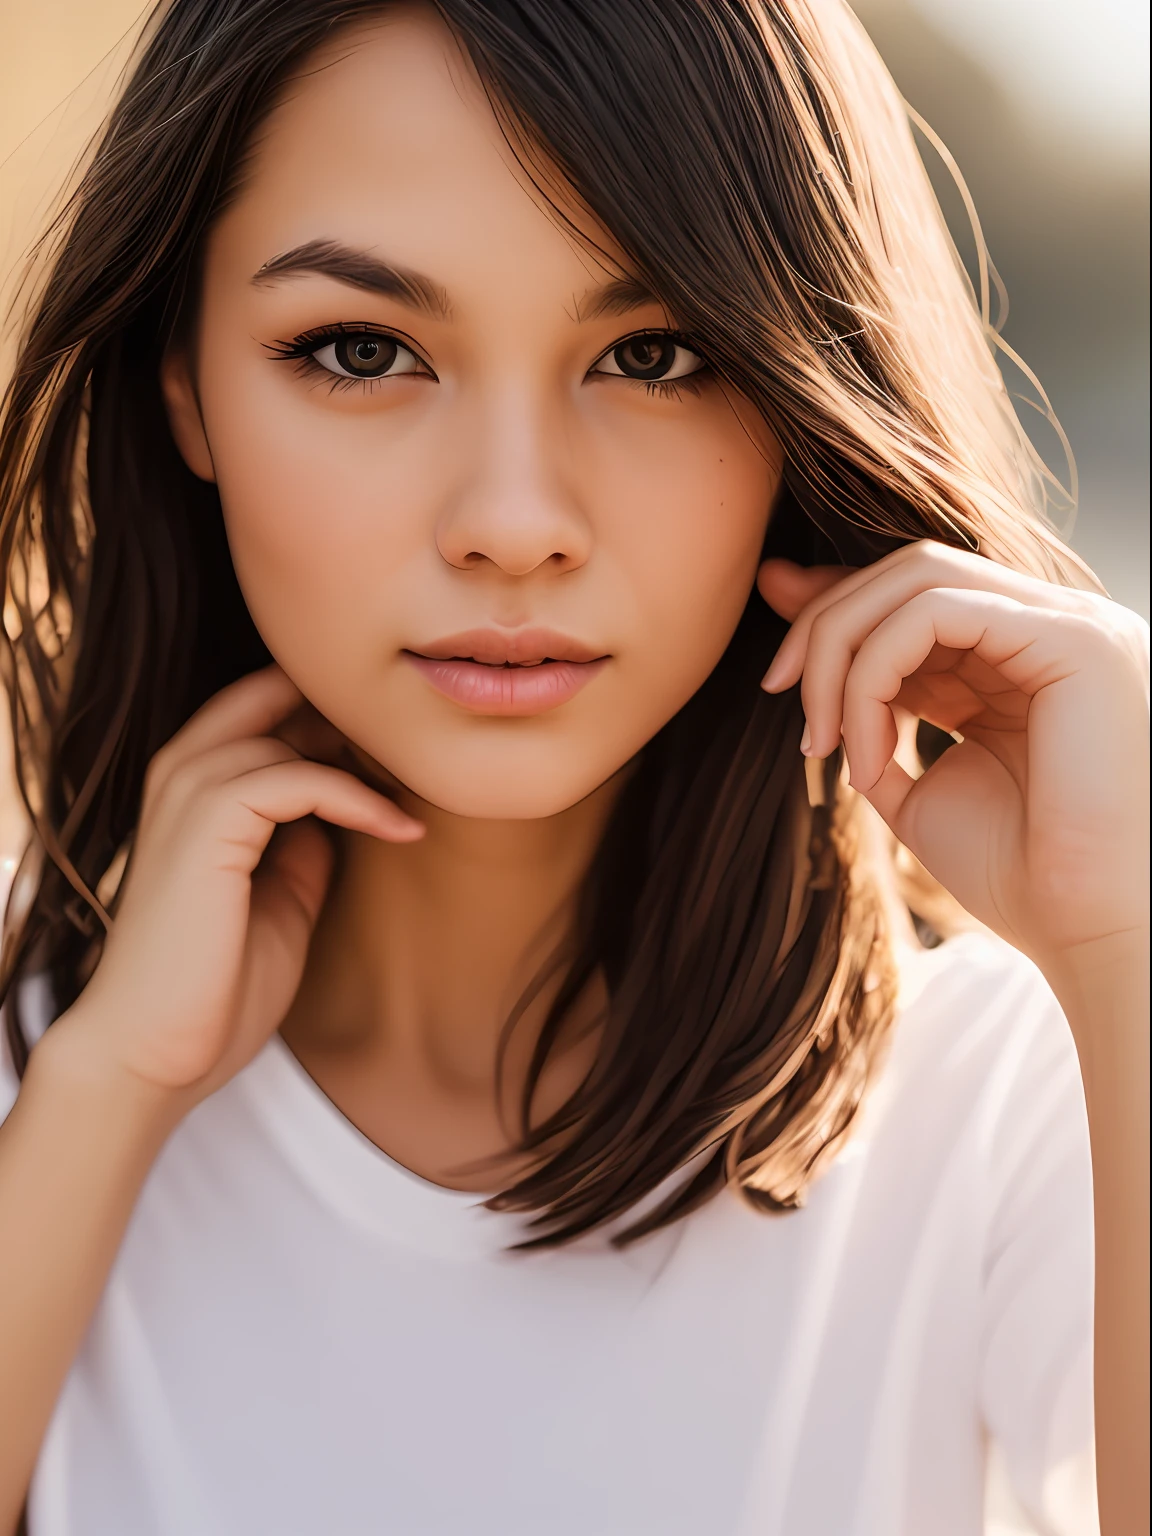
[[421, 953]]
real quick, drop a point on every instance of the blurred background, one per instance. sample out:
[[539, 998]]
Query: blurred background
[[1044, 104]]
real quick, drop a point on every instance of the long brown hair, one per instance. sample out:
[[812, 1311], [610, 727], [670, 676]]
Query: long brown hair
[[754, 161]]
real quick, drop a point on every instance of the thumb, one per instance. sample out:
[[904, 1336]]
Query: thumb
[[788, 588]]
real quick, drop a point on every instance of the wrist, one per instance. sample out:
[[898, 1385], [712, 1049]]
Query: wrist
[[1098, 970], [72, 1063], [1102, 986]]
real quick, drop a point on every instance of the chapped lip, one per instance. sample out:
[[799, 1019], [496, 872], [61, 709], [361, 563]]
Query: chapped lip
[[509, 648]]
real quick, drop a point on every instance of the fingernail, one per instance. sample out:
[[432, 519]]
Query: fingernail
[[806, 740]]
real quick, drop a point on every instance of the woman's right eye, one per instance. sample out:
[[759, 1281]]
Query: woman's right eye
[[366, 355]]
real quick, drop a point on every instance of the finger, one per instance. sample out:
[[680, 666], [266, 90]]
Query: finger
[[250, 707], [889, 792], [290, 791], [1000, 631], [945, 701], [832, 635], [957, 691], [788, 662], [190, 777], [836, 620], [787, 587]]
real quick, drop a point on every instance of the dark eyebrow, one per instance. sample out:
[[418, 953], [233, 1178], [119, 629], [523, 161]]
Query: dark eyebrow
[[359, 269], [618, 297]]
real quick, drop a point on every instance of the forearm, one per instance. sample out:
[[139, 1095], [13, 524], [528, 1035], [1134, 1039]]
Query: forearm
[[74, 1153], [1104, 992]]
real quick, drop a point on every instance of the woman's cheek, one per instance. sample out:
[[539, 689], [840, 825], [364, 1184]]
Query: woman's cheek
[[695, 554], [316, 527]]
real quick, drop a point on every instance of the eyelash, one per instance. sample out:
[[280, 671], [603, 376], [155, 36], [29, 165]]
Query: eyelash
[[668, 389], [673, 389], [301, 348]]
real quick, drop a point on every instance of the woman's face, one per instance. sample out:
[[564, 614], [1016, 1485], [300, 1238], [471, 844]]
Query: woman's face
[[487, 512]]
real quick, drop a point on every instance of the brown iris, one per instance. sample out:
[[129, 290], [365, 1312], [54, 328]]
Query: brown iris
[[365, 356], [645, 357]]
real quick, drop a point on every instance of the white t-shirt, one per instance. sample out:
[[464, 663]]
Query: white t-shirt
[[301, 1337]]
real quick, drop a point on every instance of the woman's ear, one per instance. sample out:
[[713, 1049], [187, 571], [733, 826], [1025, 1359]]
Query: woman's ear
[[183, 407]]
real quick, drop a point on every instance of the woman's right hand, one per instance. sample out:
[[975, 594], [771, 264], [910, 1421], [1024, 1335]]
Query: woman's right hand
[[226, 880]]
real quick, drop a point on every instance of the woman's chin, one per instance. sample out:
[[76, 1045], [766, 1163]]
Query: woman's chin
[[482, 793]]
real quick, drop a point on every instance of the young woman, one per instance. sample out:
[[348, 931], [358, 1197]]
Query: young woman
[[461, 958]]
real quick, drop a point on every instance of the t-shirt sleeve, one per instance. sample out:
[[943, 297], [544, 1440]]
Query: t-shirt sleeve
[[1036, 1380]]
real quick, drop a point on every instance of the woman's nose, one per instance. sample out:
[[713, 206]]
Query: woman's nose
[[518, 507]]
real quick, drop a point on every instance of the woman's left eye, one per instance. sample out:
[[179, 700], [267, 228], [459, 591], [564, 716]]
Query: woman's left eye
[[650, 357], [366, 355]]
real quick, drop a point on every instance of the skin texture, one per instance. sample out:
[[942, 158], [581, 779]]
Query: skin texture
[[509, 486], [516, 488]]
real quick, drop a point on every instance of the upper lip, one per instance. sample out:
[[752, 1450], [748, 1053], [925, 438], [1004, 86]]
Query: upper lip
[[502, 647]]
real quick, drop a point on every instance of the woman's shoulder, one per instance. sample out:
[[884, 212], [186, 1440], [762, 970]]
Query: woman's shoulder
[[975, 986], [978, 1027]]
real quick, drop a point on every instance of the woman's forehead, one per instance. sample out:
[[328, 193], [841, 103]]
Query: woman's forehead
[[386, 142]]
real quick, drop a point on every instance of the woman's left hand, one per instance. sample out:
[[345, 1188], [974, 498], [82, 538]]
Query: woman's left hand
[[1037, 821]]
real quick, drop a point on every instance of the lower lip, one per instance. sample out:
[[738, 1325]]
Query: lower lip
[[506, 690]]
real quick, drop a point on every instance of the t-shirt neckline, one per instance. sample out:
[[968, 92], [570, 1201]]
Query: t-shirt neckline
[[351, 1175]]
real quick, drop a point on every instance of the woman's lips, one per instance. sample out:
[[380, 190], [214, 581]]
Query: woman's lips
[[509, 690], [492, 672]]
